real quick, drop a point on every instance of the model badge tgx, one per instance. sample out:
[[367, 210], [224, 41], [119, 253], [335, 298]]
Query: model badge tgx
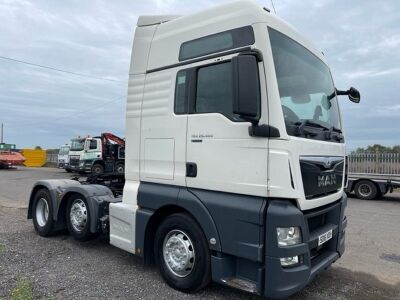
[[230, 116]]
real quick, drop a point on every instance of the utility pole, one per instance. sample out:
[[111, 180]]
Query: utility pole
[[1, 139]]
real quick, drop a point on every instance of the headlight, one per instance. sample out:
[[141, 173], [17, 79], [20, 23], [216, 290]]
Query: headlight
[[288, 236]]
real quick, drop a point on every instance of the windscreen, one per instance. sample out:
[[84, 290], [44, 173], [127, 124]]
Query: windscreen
[[305, 85], [77, 145], [63, 151]]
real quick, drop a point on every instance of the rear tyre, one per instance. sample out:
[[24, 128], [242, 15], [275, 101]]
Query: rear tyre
[[78, 218], [97, 169], [120, 168], [42, 213], [182, 254], [366, 190]]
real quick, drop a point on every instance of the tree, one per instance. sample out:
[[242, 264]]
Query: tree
[[377, 148]]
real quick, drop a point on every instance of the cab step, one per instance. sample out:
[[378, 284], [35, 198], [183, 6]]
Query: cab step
[[240, 284]]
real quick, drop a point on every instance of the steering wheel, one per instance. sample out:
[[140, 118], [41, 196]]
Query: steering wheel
[[289, 114]]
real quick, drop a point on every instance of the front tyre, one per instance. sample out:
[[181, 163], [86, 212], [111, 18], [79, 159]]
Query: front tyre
[[42, 213], [78, 218], [182, 253], [97, 169]]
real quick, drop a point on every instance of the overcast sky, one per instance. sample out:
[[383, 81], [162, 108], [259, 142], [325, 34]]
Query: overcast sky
[[361, 40]]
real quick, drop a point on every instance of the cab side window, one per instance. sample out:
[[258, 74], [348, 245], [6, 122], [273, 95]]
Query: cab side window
[[93, 144], [181, 102]]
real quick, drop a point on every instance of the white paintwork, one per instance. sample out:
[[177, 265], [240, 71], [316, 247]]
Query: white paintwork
[[158, 142], [154, 20], [122, 226]]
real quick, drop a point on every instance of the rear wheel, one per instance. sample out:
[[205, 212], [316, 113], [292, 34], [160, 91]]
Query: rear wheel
[[182, 253], [42, 213], [78, 218], [365, 189], [120, 168], [97, 169]]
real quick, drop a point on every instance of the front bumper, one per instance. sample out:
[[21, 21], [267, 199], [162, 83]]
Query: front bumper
[[282, 282], [86, 166]]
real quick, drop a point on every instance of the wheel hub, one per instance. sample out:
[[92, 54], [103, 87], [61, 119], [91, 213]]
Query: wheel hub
[[365, 190], [78, 215], [42, 212], [178, 253]]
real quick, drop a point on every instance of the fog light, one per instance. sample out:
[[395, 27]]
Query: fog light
[[288, 236], [289, 261]]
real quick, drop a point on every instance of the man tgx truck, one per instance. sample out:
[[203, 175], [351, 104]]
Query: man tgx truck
[[235, 157], [97, 155]]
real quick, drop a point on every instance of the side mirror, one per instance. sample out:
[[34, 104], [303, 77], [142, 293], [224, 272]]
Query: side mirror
[[352, 93], [246, 88]]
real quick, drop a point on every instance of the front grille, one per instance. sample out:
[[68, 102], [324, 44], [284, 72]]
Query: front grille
[[322, 175], [319, 221], [316, 222], [74, 160]]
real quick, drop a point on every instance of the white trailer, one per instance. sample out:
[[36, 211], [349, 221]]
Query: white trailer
[[372, 175], [234, 157]]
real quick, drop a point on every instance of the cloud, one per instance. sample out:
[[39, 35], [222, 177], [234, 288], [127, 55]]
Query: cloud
[[359, 38]]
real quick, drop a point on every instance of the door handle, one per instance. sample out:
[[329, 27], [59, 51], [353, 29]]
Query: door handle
[[191, 169]]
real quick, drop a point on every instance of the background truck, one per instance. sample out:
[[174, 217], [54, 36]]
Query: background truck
[[372, 175], [63, 157], [9, 156], [97, 155], [235, 157]]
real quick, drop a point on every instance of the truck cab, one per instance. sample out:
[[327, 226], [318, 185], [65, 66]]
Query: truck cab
[[234, 168], [83, 152], [97, 155], [63, 157]]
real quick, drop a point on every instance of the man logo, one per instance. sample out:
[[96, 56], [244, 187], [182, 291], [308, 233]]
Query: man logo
[[327, 180], [327, 163]]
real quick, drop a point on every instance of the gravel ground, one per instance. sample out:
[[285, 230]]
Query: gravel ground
[[62, 268]]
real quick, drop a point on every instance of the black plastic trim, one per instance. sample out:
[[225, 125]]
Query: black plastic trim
[[264, 130], [191, 61], [242, 36]]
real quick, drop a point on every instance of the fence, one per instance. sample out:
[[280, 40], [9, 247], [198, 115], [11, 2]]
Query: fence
[[52, 158], [374, 163]]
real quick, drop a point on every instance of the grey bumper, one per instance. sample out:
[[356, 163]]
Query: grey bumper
[[282, 282]]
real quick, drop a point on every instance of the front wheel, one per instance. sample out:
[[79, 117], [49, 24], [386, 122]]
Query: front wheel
[[97, 169], [182, 253], [78, 218]]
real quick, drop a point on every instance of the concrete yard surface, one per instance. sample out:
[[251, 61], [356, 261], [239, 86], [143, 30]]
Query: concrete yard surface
[[61, 268]]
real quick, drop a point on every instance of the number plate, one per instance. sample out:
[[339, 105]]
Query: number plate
[[323, 238]]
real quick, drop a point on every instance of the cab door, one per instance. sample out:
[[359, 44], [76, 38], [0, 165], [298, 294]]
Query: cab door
[[221, 155]]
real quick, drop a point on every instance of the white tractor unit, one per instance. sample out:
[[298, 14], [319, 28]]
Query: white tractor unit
[[235, 157]]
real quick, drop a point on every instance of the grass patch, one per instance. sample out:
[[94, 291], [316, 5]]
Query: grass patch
[[23, 291], [2, 250]]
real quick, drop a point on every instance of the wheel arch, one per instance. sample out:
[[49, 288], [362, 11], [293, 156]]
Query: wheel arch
[[96, 197], [381, 186], [161, 202]]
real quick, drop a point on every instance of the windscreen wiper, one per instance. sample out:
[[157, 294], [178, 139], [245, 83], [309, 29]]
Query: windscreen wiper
[[311, 124]]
